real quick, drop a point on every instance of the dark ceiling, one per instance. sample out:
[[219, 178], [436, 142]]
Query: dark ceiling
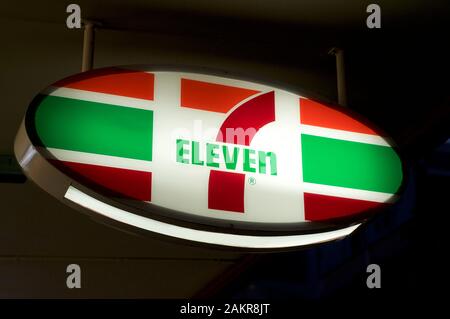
[[323, 13]]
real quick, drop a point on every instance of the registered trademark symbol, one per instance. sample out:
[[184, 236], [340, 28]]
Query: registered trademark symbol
[[252, 180]]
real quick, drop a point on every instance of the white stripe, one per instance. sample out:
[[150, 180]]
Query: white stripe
[[217, 238], [345, 135], [349, 193], [287, 116], [101, 160], [100, 97], [298, 154]]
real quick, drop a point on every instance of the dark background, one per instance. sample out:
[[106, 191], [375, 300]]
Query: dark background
[[397, 76]]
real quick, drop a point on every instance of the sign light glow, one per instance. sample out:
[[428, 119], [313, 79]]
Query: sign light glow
[[207, 158], [224, 239]]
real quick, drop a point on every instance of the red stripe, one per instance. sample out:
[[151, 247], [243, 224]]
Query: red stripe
[[248, 119], [316, 114], [212, 97], [226, 191], [112, 181], [129, 83], [323, 207]]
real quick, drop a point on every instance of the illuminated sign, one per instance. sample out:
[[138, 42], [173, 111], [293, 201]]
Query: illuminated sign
[[207, 158]]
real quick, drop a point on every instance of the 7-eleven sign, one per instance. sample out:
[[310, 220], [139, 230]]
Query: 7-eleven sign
[[212, 148]]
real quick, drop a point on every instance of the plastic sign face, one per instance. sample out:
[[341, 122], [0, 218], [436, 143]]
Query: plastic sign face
[[207, 158]]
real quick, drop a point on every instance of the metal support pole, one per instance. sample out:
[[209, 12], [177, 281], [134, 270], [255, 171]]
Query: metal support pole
[[340, 75], [88, 46]]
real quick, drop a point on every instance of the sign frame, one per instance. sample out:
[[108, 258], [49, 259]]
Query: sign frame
[[37, 168]]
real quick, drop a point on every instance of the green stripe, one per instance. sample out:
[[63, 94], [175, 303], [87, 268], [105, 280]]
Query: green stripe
[[92, 127], [349, 164]]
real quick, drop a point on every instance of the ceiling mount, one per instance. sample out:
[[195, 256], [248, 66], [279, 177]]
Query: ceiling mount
[[87, 62]]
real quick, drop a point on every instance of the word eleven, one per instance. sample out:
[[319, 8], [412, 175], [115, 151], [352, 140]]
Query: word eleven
[[226, 157]]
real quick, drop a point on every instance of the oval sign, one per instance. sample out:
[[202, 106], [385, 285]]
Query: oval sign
[[207, 158]]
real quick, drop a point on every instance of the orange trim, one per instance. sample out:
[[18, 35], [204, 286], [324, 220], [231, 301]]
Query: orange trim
[[129, 83], [211, 97], [314, 113]]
